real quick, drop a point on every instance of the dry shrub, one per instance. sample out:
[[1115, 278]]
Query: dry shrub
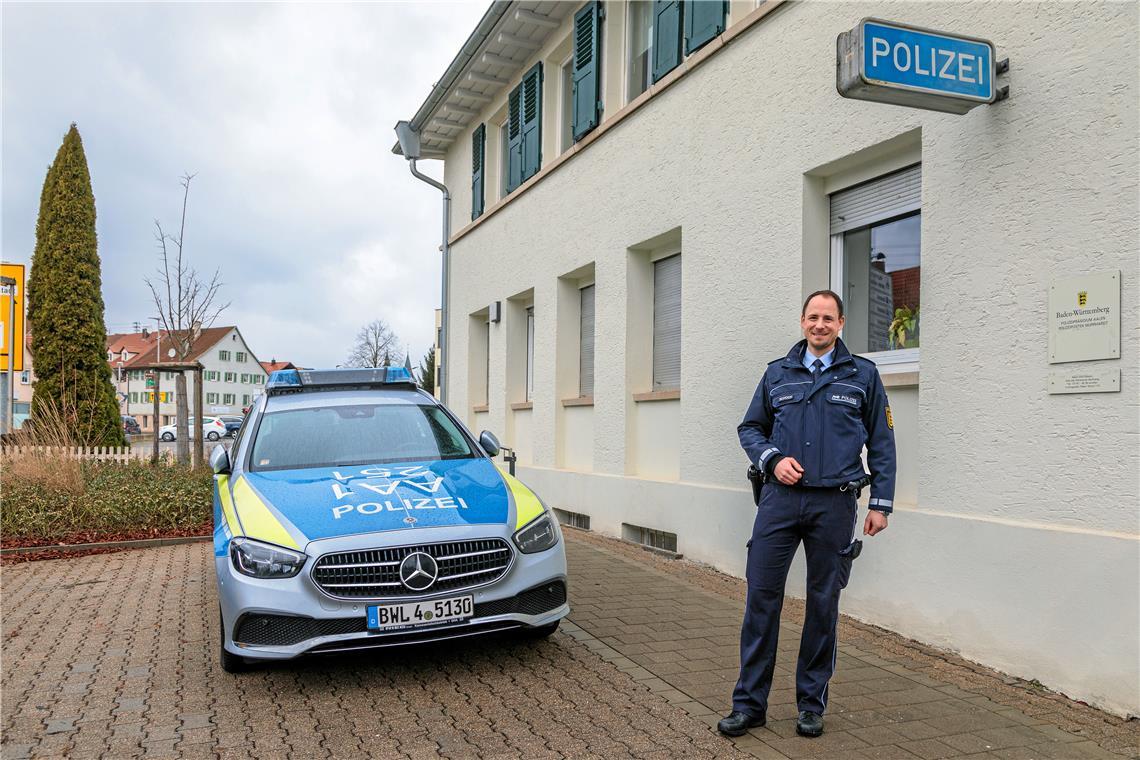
[[38, 456]]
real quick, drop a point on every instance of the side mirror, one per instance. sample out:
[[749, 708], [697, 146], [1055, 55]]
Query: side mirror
[[489, 443], [220, 460]]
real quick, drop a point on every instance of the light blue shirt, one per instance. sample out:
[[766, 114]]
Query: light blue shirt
[[809, 359]]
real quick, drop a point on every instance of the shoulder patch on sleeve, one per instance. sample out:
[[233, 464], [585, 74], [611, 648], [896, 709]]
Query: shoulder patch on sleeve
[[890, 419]]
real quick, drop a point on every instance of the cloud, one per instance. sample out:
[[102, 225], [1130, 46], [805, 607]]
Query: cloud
[[284, 111]]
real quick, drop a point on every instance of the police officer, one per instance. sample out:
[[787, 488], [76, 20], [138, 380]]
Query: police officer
[[807, 424]]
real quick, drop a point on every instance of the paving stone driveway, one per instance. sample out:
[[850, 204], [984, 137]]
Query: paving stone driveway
[[115, 656]]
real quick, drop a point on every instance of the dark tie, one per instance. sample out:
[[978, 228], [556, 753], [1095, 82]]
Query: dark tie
[[816, 368]]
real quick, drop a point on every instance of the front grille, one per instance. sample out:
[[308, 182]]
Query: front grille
[[285, 630], [375, 573]]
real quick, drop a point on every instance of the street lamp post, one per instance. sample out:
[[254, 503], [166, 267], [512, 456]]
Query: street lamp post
[[410, 146]]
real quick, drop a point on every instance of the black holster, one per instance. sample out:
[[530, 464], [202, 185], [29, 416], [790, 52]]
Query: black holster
[[757, 478]]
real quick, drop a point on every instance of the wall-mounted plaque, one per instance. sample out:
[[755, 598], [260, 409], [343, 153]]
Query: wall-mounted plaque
[[1085, 380], [1084, 317]]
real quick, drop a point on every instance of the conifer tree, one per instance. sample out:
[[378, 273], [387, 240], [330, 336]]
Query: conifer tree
[[65, 307]]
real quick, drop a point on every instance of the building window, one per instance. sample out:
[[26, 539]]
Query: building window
[[504, 159], [240, 356], [134, 397], [524, 128], [211, 398], [530, 353], [639, 74], [566, 106], [166, 419], [478, 169], [876, 263], [586, 89], [224, 355], [244, 378], [228, 399], [245, 400], [26, 377], [586, 342], [231, 377], [667, 323]]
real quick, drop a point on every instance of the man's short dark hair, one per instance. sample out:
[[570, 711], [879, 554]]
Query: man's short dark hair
[[830, 294]]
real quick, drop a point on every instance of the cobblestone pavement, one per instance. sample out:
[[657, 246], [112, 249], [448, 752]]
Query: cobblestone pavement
[[115, 656]]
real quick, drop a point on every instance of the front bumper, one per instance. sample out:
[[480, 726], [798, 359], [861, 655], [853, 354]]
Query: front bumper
[[284, 618]]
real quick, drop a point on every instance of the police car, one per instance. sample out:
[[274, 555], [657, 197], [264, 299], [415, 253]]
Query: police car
[[353, 511]]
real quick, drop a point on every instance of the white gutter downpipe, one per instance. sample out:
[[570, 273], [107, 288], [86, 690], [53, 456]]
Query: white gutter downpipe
[[410, 147]]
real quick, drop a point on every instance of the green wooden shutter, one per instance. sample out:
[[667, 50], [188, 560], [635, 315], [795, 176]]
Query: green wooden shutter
[[587, 106], [514, 139], [478, 163], [531, 121], [666, 37], [704, 19]]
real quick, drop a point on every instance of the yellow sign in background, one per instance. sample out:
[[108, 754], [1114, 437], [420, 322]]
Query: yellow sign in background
[[15, 352]]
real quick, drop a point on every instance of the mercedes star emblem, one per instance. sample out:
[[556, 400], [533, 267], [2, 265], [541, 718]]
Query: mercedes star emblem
[[418, 571]]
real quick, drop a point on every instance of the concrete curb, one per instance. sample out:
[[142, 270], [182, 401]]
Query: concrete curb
[[145, 543]]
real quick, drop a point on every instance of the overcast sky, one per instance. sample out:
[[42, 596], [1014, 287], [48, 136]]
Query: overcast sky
[[284, 112]]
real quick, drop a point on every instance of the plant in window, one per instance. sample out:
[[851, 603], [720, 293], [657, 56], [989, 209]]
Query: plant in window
[[904, 325]]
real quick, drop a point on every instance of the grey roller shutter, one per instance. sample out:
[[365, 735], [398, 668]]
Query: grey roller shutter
[[882, 198], [667, 323], [586, 344]]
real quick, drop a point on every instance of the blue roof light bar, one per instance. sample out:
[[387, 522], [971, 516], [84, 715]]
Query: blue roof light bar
[[292, 380]]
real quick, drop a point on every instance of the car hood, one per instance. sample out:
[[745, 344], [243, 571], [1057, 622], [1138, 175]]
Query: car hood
[[313, 504]]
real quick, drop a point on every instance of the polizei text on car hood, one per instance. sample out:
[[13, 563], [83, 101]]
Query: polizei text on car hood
[[312, 504]]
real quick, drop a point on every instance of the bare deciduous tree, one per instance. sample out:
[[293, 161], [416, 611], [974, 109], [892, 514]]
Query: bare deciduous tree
[[186, 305], [375, 345]]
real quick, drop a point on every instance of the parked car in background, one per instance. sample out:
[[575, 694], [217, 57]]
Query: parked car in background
[[232, 423], [212, 428], [131, 425]]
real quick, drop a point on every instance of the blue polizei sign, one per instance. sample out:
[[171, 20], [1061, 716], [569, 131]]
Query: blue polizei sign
[[889, 62]]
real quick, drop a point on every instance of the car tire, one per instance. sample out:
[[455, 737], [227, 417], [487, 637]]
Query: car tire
[[231, 663], [542, 631], [168, 437], [212, 436]]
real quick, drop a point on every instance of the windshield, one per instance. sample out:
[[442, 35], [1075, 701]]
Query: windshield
[[327, 436]]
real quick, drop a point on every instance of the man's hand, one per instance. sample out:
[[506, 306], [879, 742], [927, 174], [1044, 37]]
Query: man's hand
[[876, 522], [788, 471]]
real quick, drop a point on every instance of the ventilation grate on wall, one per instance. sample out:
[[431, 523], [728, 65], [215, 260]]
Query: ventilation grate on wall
[[573, 519], [650, 537]]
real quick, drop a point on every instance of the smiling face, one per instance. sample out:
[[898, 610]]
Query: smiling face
[[821, 324]]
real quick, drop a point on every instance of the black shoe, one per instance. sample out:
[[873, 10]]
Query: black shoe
[[738, 723], [810, 724]]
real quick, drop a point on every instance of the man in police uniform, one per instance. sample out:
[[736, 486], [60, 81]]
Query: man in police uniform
[[807, 424]]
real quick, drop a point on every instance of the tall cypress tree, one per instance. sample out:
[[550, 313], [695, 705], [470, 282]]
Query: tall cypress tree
[[65, 307]]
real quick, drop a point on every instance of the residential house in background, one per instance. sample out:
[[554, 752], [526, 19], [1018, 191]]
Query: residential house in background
[[232, 375]]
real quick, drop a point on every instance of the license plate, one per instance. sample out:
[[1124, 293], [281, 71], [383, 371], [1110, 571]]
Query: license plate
[[392, 617]]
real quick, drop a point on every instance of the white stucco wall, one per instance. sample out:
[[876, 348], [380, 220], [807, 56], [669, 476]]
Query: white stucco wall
[[1016, 538]]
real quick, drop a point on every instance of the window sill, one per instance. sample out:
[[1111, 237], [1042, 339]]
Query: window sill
[[520, 406], [897, 379], [478, 408], [670, 395], [578, 401]]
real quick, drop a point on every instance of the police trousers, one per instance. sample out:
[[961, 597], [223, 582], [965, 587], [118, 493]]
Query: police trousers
[[824, 519]]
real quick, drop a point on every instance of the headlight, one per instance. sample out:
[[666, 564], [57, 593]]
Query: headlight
[[537, 536], [259, 560]]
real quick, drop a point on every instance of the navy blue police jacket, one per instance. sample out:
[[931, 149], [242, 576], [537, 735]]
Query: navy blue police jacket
[[824, 424]]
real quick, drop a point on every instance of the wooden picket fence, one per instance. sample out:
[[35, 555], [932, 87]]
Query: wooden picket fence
[[122, 454]]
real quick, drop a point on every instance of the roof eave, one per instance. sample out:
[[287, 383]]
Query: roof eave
[[456, 68]]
